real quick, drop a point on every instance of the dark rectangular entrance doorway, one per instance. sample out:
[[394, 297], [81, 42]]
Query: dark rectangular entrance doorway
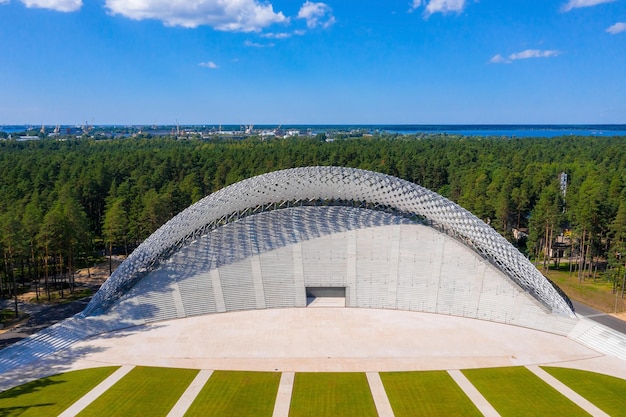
[[326, 296]]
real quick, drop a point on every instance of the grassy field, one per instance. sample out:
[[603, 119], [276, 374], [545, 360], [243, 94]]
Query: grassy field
[[517, 392], [50, 396], [597, 294], [428, 393], [328, 394], [148, 391], [604, 391], [144, 391], [238, 394]]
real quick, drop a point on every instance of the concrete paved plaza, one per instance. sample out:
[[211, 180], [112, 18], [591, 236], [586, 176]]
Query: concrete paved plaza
[[333, 339]]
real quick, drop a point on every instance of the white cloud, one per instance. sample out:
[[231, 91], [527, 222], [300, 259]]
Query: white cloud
[[225, 15], [527, 54], [316, 14], [575, 4], [499, 59], [534, 53], [280, 35], [439, 6], [258, 45], [4, 1], [209, 64], [617, 28], [283, 35], [58, 5]]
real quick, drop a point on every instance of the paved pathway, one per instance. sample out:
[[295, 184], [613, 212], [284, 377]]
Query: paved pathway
[[283, 398], [476, 397], [190, 394], [379, 394], [567, 392], [602, 318], [100, 389]]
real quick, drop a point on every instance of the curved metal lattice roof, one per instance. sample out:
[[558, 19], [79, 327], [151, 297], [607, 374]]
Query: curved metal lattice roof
[[327, 184]]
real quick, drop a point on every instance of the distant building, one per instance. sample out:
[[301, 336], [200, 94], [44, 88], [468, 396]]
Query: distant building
[[28, 137], [563, 181]]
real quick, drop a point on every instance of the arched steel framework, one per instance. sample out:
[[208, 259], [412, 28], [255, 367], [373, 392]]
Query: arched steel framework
[[337, 185]]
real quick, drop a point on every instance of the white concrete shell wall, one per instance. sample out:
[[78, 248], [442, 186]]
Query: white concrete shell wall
[[326, 183], [243, 264], [382, 260]]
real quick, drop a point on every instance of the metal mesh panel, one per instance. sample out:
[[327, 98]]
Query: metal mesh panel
[[327, 185]]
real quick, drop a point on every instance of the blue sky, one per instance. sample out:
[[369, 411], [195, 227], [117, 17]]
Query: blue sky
[[307, 62]]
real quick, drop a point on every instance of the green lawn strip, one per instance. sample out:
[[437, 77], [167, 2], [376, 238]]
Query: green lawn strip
[[144, 391], [237, 393], [604, 391], [51, 395], [428, 393], [516, 391], [331, 394], [595, 293]]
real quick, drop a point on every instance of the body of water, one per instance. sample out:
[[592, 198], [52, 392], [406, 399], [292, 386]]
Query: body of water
[[511, 131], [521, 131]]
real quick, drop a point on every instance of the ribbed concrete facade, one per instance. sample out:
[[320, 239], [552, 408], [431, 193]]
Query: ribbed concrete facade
[[382, 260], [324, 186]]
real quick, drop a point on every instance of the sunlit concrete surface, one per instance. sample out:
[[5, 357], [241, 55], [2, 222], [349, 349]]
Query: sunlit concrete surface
[[329, 339], [608, 365], [322, 339]]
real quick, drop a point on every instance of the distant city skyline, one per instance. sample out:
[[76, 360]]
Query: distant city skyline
[[334, 62]]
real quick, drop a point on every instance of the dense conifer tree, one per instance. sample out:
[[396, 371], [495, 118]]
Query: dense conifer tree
[[62, 195]]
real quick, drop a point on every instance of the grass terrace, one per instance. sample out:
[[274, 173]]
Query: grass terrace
[[50, 396], [604, 391], [238, 394], [427, 393], [152, 391], [331, 394], [517, 392], [144, 391]]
